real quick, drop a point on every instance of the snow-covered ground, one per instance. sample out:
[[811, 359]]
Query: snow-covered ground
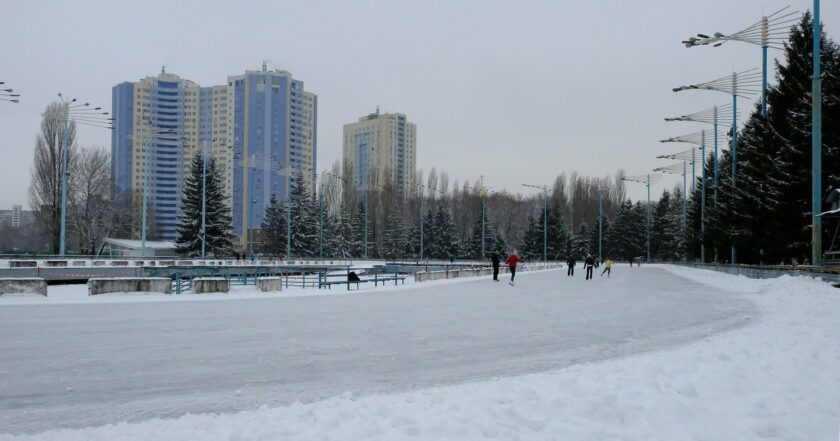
[[652, 353]]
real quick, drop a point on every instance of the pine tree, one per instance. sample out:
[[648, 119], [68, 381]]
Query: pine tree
[[394, 240], [581, 246], [218, 225], [304, 219], [558, 233], [274, 228], [531, 247]]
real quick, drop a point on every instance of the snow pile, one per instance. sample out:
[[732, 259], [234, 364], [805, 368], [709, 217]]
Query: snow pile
[[777, 378]]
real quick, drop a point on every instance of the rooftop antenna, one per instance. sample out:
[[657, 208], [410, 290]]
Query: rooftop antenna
[[377, 109], [265, 66], [162, 70]]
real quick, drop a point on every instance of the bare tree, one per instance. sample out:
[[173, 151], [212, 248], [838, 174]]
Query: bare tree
[[46, 172], [93, 213]]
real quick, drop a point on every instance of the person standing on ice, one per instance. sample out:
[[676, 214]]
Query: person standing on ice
[[588, 264], [570, 263], [494, 259], [607, 268], [511, 262]]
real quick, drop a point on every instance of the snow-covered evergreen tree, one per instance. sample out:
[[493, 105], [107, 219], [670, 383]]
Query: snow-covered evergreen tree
[[395, 239], [304, 219], [218, 237], [274, 228]]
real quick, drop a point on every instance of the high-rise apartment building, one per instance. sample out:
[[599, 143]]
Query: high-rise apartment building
[[273, 137], [160, 123], [257, 126], [379, 148]]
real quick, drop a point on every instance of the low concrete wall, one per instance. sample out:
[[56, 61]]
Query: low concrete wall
[[453, 274], [162, 285], [33, 285], [270, 284], [206, 285]]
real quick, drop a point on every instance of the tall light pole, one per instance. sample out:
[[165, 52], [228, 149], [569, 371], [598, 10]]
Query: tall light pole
[[145, 135], [600, 217], [80, 114], [8, 94], [699, 139], [646, 179], [713, 116], [678, 168], [737, 84], [816, 143], [544, 188], [771, 31]]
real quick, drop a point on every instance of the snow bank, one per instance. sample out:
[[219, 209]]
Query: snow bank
[[778, 378]]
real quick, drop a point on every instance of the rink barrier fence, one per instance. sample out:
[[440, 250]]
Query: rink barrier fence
[[427, 276]]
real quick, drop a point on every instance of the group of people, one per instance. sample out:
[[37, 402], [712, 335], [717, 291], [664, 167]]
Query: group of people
[[511, 261], [589, 264]]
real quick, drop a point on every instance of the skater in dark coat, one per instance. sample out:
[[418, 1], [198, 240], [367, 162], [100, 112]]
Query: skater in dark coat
[[494, 259], [570, 263], [589, 263], [511, 262]]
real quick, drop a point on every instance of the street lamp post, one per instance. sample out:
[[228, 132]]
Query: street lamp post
[[711, 116], [816, 143], [544, 188], [771, 31], [81, 114], [646, 179], [145, 135], [600, 218], [737, 84], [678, 168]]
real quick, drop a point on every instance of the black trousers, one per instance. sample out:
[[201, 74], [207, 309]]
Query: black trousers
[[571, 271], [512, 272], [588, 272], [606, 270], [495, 272]]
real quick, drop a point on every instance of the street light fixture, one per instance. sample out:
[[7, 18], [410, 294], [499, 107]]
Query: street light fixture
[[771, 31], [7, 94], [738, 84], [544, 188], [647, 179], [678, 168], [80, 114], [711, 116], [600, 217]]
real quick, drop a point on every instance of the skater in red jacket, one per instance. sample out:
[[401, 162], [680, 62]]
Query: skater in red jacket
[[511, 262]]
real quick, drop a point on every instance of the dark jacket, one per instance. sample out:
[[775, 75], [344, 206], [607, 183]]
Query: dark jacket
[[590, 261], [571, 261], [494, 259]]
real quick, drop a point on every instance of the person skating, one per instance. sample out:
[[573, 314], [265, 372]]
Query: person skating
[[511, 262], [607, 266], [494, 259], [589, 263], [570, 263]]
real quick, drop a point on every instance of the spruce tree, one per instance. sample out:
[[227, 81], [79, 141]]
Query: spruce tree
[[304, 219], [218, 225], [274, 228], [394, 240]]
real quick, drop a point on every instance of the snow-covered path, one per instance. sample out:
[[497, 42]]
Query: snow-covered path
[[78, 365]]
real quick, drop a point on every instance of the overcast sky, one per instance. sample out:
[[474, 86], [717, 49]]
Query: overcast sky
[[515, 91]]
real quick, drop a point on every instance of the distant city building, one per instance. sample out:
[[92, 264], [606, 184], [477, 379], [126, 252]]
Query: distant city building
[[254, 126], [17, 217], [379, 148], [273, 136]]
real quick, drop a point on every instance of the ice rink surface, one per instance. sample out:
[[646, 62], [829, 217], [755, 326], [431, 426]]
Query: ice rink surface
[[89, 364]]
